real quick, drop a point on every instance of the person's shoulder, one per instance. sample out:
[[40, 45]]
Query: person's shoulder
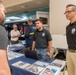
[[45, 30], [2, 28], [67, 26], [18, 30], [36, 31], [31, 26], [28, 27]]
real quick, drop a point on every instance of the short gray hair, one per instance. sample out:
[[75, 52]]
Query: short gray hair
[[71, 5]]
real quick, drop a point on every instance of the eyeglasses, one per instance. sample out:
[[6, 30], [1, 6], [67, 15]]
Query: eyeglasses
[[69, 11]]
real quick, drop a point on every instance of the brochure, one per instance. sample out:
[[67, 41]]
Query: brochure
[[12, 55], [21, 64], [18, 55], [41, 64], [11, 58], [25, 65], [59, 63], [35, 69], [50, 70]]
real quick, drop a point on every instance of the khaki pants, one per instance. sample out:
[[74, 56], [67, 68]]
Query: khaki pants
[[71, 62]]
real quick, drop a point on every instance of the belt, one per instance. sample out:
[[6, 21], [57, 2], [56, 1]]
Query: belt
[[41, 48], [72, 50]]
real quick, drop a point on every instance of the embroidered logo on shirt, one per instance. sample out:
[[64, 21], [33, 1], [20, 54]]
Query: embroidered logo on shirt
[[73, 31], [43, 34]]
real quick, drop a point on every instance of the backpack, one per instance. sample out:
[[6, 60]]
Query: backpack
[[61, 54]]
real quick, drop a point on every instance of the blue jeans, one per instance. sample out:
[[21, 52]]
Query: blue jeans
[[42, 52]]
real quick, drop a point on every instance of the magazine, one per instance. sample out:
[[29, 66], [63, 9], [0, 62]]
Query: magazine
[[11, 58], [41, 64], [21, 64], [56, 64], [25, 65], [12, 55], [35, 69], [50, 70], [59, 63], [18, 55]]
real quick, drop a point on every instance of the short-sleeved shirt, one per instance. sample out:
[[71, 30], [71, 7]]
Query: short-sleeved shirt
[[3, 38], [14, 33], [71, 35], [41, 38]]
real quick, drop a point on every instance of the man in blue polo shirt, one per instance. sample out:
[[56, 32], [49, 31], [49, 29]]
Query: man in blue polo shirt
[[29, 34]]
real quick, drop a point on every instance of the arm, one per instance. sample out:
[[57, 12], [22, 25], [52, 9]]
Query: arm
[[33, 45], [4, 67], [50, 46], [49, 39], [14, 36], [56, 52], [27, 33]]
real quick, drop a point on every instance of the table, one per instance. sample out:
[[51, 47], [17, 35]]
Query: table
[[16, 47], [20, 71]]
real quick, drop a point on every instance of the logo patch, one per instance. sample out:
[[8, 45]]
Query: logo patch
[[73, 31], [43, 34]]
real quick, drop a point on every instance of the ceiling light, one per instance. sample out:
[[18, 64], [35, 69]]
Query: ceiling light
[[14, 17], [24, 18], [7, 20]]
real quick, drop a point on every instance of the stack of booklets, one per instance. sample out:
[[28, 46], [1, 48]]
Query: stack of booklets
[[21, 64], [54, 68], [13, 55]]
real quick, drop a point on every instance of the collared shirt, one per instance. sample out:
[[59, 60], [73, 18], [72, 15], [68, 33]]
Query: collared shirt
[[71, 35], [41, 38], [14, 33]]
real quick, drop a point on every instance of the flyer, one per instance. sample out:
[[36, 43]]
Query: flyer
[[50, 70], [41, 64], [35, 69]]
